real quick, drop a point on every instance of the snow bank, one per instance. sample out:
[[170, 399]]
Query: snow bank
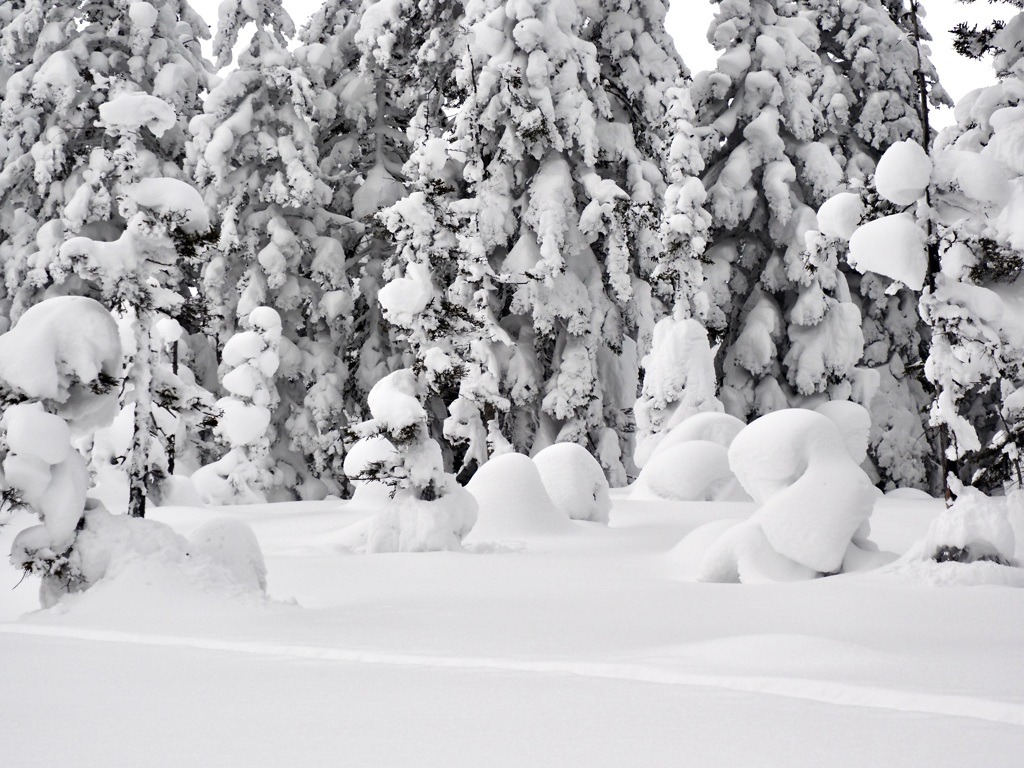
[[575, 482], [514, 504], [232, 544]]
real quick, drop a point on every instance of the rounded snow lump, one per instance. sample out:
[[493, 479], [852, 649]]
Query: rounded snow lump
[[514, 504], [715, 427], [697, 470], [575, 481]]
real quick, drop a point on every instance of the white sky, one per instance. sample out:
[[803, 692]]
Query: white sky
[[688, 22]]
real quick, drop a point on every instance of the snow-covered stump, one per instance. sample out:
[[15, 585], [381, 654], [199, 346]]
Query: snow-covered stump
[[429, 511], [58, 367], [250, 360], [814, 501]]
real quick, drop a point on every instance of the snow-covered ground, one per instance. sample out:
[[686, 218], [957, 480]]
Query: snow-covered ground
[[589, 646]]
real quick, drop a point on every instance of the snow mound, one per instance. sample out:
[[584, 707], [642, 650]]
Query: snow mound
[[687, 557], [232, 544], [574, 481], [408, 524], [514, 505], [141, 555], [696, 470], [814, 500]]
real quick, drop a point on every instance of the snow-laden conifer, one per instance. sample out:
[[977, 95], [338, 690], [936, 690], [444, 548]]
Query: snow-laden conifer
[[538, 212], [94, 117], [254, 153], [953, 228], [803, 101]]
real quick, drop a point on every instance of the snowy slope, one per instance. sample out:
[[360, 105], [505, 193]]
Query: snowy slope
[[585, 649]]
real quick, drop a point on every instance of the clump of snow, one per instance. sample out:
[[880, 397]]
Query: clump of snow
[[903, 173], [131, 111], [49, 476], [514, 504], [55, 346], [403, 299], [840, 215], [575, 481], [360, 458], [814, 500], [893, 246], [172, 197]]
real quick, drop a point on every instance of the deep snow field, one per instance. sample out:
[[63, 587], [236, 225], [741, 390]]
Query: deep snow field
[[592, 646]]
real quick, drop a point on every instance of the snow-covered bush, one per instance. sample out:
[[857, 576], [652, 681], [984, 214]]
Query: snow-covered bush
[[695, 470], [250, 360], [514, 504], [690, 461], [813, 499], [976, 527], [712, 426], [575, 481], [428, 511]]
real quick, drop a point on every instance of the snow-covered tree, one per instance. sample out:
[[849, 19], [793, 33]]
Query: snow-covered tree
[[804, 100], [255, 155], [537, 211], [954, 231], [94, 118], [384, 63]]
